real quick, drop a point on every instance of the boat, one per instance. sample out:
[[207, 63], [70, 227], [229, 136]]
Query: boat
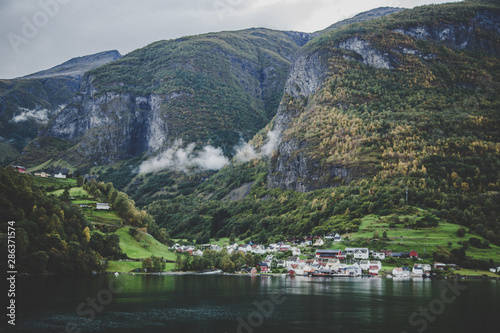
[[209, 272], [321, 273]]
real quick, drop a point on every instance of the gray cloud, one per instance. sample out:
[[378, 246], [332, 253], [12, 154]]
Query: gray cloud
[[39, 34], [178, 158], [246, 152]]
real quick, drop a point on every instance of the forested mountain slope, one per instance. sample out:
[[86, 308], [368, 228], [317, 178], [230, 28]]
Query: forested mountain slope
[[207, 89], [390, 117]]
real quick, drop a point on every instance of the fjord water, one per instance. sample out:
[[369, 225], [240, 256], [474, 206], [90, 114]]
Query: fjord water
[[194, 303]]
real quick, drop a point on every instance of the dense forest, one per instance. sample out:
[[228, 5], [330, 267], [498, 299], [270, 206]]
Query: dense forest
[[423, 135], [52, 235], [419, 136]]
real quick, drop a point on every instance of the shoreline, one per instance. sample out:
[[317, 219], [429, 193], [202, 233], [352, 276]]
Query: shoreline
[[172, 273]]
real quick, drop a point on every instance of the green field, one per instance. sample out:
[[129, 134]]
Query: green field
[[145, 248], [425, 240], [55, 182], [73, 192], [123, 266], [127, 266], [102, 216], [88, 201]]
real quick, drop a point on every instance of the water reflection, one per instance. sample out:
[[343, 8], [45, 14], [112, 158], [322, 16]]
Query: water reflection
[[192, 303]]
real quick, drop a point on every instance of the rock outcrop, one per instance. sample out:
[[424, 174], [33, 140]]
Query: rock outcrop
[[111, 126], [464, 36], [297, 165]]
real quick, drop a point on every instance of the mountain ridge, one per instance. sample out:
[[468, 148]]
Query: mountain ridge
[[28, 103], [76, 67]]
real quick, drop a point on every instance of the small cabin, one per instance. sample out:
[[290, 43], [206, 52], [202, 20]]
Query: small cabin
[[102, 206]]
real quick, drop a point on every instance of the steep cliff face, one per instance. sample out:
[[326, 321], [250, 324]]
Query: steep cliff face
[[291, 168], [208, 89], [111, 126], [28, 103], [470, 35], [331, 118]]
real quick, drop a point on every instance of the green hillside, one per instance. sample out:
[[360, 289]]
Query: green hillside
[[428, 124], [145, 247], [212, 89]]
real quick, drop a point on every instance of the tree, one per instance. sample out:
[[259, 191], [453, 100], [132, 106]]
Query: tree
[[164, 237], [147, 265], [86, 233], [232, 238], [461, 232], [376, 234], [274, 264], [79, 181], [227, 265], [384, 235], [262, 237], [158, 264]]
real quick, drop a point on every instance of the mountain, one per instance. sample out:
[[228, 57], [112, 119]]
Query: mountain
[[28, 103], [212, 89], [361, 17], [391, 93], [76, 67], [393, 120], [216, 89]]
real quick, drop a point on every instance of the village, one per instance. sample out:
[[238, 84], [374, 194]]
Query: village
[[350, 262], [307, 256]]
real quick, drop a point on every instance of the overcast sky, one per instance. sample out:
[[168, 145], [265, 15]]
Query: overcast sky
[[40, 34]]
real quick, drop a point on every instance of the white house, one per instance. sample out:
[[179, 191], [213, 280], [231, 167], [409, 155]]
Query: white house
[[334, 237], [215, 247], [319, 242], [417, 270], [285, 247], [400, 272], [295, 252], [439, 265], [376, 263], [59, 175], [425, 267], [358, 253], [353, 270], [373, 270], [495, 269], [102, 205], [364, 264], [378, 255]]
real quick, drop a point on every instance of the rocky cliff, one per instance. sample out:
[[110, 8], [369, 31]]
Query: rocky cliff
[[28, 103], [329, 109], [210, 89]]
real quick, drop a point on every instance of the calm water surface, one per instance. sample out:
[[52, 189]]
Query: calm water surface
[[192, 303]]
